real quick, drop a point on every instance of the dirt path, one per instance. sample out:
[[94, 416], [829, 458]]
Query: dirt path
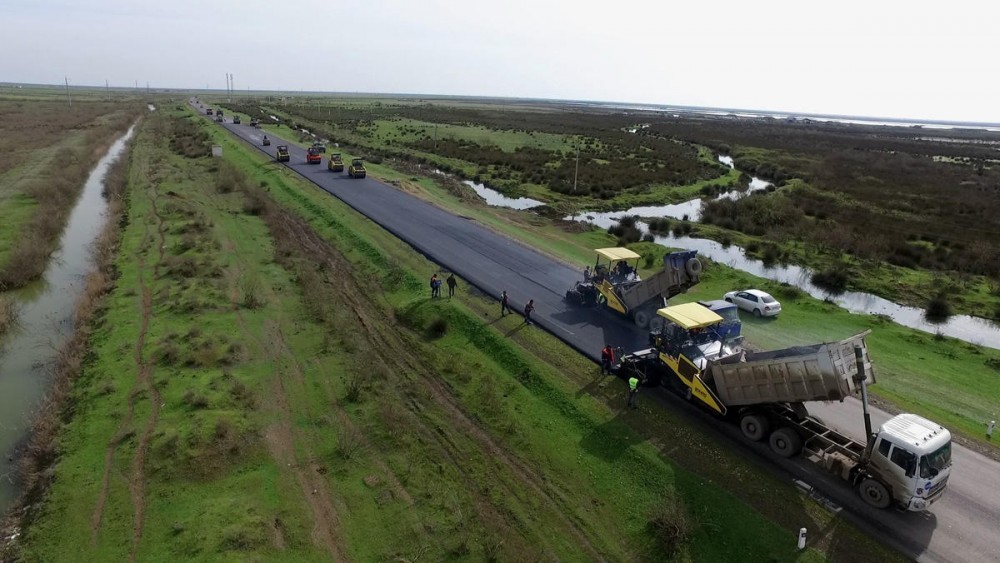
[[144, 373], [280, 438], [124, 428]]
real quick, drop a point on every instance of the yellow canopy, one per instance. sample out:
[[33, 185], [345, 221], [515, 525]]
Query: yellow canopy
[[617, 254], [690, 315]]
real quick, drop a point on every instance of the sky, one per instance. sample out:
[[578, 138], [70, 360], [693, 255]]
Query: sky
[[878, 58]]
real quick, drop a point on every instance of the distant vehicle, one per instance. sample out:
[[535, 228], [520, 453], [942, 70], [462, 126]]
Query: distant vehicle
[[759, 303], [266, 142], [208, 111], [254, 122], [236, 120], [319, 146], [218, 118], [283, 154], [336, 163], [357, 169], [220, 113], [313, 156]]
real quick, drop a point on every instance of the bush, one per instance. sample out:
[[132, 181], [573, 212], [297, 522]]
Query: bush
[[437, 328], [938, 308], [671, 524], [833, 279]]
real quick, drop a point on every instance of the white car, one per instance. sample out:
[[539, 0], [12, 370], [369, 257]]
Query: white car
[[759, 303]]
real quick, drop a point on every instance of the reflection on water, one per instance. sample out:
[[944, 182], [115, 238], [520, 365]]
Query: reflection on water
[[46, 319], [497, 199], [964, 327]]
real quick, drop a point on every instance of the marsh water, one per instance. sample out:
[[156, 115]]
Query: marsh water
[[46, 320], [964, 327]]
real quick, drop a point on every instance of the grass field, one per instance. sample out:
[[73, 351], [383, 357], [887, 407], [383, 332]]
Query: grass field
[[268, 381], [46, 151]]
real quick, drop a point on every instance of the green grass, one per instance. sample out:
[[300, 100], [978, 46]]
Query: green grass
[[508, 141]]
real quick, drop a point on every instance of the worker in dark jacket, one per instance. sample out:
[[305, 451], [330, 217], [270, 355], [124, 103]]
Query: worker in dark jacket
[[527, 311], [607, 359], [504, 304], [452, 282]]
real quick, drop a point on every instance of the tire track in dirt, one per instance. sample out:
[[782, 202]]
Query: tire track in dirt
[[280, 438], [394, 352], [144, 374], [123, 431]]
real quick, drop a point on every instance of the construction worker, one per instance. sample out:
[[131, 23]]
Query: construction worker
[[989, 429], [527, 312], [452, 282], [504, 304], [607, 359], [586, 274], [633, 391]]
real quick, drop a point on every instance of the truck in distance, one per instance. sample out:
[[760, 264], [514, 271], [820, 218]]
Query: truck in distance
[[335, 163], [905, 463], [236, 120], [357, 169], [283, 155], [615, 282]]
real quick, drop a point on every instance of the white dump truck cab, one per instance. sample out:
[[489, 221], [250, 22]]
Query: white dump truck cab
[[911, 457]]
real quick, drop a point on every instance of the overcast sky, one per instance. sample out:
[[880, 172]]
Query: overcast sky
[[910, 59]]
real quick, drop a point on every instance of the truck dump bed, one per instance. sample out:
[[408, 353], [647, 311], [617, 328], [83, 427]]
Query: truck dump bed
[[820, 372], [673, 279]]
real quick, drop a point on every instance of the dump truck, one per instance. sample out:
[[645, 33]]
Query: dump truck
[[335, 163], [905, 463], [283, 154], [357, 169], [616, 284]]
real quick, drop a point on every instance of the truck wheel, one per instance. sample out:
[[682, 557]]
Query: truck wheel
[[641, 318], [693, 267], [874, 493], [786, 442], [755, 427]]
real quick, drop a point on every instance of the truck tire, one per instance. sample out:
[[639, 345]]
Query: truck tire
[[693, 267], [786, 442], [755, 426], [641, 318], [874, 493]]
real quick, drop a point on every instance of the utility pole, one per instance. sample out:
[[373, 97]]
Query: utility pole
[[107, 89], [68, 97]]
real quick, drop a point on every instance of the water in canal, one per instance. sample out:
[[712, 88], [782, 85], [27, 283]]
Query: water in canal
[[46, 319]]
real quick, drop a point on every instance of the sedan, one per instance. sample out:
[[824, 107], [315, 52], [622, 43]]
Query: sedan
[[759, 303]]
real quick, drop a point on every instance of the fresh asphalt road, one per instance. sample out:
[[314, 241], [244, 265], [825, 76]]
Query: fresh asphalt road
[[962, 526]]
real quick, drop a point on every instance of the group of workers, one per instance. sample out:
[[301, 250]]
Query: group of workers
[[609, 356]]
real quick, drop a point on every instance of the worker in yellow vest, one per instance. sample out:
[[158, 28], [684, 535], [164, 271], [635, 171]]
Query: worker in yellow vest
[[633, 391]]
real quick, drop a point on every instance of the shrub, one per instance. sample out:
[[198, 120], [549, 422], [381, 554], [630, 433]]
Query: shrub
[[833, 279], [671, 524], [437, 328], [251, 292], [938, 308]]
